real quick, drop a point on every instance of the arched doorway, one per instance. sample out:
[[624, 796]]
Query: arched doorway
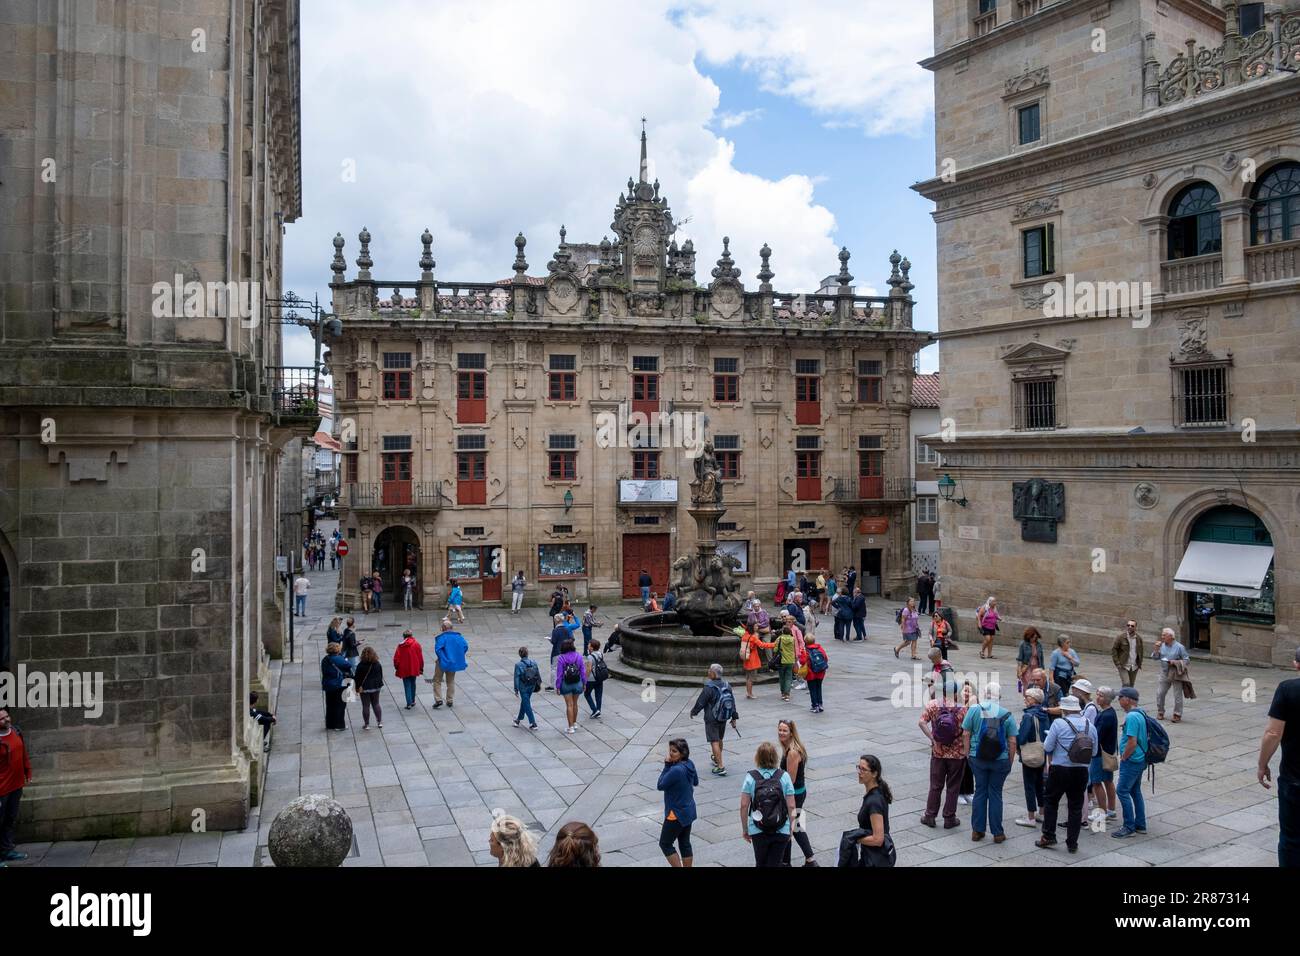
[[1226, 573], [396, 549]]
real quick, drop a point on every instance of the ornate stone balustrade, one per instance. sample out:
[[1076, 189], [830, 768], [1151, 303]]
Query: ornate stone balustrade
[[1193, 274], [1279, 260], [1201, 69]]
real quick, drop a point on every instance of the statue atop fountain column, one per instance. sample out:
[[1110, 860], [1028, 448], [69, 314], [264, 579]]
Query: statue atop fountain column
[[706, 489]]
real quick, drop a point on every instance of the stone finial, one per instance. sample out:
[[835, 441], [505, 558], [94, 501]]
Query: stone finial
[[656, 189], [312, 831], [726, 268], [563, 257], [339, 265], [686, 266], [563, 232], [844, 277], [907, 286], [765, 274], [364, 262], [895, 279], [631, 188], [426, 257], [521, 264]]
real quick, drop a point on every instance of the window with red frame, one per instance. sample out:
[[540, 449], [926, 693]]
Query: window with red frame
[[562, 455], [726, 380], [397, 376], [726, 449], [870, 381], [562, 385], [645, 465]]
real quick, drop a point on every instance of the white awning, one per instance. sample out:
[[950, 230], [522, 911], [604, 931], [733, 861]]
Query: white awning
[[1210, 567]]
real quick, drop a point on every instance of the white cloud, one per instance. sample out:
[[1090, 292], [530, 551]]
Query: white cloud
[[732, 120], [853, 61], [481, 118]]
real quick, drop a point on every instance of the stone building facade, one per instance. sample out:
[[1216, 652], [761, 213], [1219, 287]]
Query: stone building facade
[[152, 158], [925, 476], [1118, 210], [490, 428]]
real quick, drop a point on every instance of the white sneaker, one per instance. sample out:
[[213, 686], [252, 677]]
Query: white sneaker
[[1027, 822], [963, 799]]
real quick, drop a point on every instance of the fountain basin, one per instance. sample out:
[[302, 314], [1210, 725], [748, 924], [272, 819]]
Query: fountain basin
[[659, 643]]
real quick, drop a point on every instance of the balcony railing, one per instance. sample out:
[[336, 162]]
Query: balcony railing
[[361, 496], [985, 22], [1193, 274], [1239, 59], [1278, 260], [868, 488], [294, 391], [1027, 8]]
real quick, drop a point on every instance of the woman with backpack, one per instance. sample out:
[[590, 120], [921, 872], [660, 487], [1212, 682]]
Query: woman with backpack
[[987, 618], [787, 655], [794, 761], [370, 681], [1064, 663], [989, 739], [570, 679], [597, 674], [334, 669], [751, 657], [1035, 723], [818, 663], [767, 803], [528, 681], [873, 817], [678, 781]]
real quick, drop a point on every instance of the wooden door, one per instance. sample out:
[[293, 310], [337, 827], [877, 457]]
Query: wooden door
[[649, 551], [819, 556], [491, 573]]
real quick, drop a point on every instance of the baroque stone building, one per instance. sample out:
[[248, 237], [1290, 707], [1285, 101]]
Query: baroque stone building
[[494, 427], [152, 157], [1118, 210]]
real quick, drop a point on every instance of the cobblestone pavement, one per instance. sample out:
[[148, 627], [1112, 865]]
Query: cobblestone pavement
[[421, 791]]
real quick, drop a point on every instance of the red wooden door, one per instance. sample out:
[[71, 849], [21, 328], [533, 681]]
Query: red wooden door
[[819, 556], [471, 398], [471, 478], [649, 551], [808, 475], [645, 394], [491, 574], [807, 400], [396, 473]]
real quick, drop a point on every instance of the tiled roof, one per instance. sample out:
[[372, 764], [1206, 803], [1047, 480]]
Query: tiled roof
[[925, 391], [329, 442]]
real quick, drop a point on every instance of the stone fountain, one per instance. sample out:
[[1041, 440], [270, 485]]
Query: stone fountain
[[685, 641]]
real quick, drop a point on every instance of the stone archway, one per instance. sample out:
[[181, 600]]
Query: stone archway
[[396, 548]]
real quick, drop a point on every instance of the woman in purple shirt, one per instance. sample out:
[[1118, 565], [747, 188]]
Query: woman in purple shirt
[[570, 679]]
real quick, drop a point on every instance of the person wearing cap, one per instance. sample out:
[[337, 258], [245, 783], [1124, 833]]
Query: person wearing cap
[[1126, 655], [1132, 761], [1100, 778], [1065, 777], [1284, 730], [1083, 690]]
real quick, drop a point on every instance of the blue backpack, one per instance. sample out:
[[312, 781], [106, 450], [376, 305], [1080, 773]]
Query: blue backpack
[[993, 739], [817, 662]]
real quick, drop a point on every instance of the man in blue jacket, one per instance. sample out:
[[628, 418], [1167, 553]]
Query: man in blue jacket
[[859, 614], [450, 648]]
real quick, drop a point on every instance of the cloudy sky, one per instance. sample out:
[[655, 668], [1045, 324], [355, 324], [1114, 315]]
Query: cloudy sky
[[799, 125]]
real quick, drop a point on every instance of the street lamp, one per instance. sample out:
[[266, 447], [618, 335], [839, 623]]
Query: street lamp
[[946, 489], [568, 500]]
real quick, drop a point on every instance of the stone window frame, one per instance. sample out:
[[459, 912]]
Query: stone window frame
[[1033, 94], [551, 372], [933, 502], [572, 453], [738, 375], [1177, 370], [1031, 363]]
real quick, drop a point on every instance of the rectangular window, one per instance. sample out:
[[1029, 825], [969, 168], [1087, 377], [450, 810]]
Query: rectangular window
[[471, 360], [645, 388], [925, 455], [471, 397], [397, 386], [645, 363], [350, 469], [471, 442], [807, 442], [807, 525], [726, 526], [738, 550], [464, 564], [474, 531], [870, 381], [471, 470], [871, 467], [562, 465], [807, 392], [397, 443], [727, 450], [471, 466], [1028, 117], [350, 385], [726, 380], [563, 443], [562, 382], [1036, 404], [397, 360], [1201, 395], [561, 560], [1251, 18], [726, 366], [927, 509], [561, 529], [645, 465], [808, 475], [1038, 251], [645, 519]]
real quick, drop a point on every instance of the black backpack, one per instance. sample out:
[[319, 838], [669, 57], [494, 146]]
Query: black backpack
[[768, 809], [599, 669], [1080, 750], [572, 673], [532, 676]]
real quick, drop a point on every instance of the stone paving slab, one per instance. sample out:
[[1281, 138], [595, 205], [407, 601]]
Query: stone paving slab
[[421, 790]]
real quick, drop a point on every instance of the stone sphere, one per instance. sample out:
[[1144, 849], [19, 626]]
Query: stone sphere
[[313, 830]]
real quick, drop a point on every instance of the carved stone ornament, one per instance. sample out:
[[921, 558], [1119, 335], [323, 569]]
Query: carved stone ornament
[[1039, 506], [1150, 180], [1037, 207], [1033, 297], [562, 295], [726, 301], [1030, 79], [1146, 494], [1193, 336]]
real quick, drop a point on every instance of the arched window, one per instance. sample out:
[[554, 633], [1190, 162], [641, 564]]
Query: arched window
[[1230, 524], [1194, 228], [1275, 217]]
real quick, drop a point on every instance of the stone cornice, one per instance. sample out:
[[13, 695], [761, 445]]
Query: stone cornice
[[1144, 130], [1013, 29]]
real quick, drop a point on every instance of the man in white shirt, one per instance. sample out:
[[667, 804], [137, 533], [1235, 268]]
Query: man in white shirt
[[300, 588]]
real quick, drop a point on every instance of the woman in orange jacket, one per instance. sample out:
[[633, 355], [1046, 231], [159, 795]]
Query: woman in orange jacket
[[752, 660]]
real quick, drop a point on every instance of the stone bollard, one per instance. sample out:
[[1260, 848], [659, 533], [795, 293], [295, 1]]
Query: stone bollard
[[313, 830]]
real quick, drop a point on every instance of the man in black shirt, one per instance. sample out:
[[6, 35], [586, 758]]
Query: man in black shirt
[[1284, 729]]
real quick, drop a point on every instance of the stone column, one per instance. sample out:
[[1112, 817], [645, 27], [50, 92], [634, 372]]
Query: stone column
[[603, 558], [1234, 216], [1156, 229]]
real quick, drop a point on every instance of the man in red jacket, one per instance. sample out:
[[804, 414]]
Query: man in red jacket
[[15, 773], [408, 664]]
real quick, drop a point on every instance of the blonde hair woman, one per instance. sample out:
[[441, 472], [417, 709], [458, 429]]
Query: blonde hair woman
[[794, 761], [510, 843]]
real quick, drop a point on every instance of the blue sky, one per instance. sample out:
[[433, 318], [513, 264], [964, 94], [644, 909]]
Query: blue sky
[[481, 118]]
